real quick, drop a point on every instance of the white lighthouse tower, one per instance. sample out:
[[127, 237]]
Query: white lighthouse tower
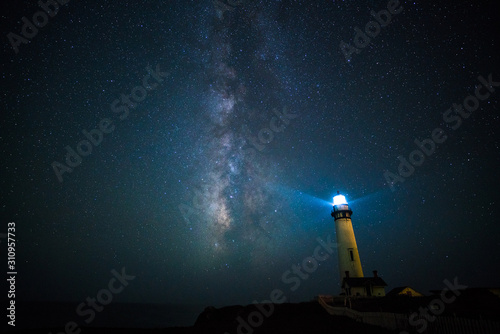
[[351, 274], [349, 261]]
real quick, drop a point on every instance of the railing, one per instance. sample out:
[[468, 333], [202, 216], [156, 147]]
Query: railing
[[398, 321]]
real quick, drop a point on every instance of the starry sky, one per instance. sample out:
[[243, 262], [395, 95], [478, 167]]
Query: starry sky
[[224, 130]]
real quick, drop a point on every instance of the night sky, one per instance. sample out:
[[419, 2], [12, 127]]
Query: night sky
[[224, 131]]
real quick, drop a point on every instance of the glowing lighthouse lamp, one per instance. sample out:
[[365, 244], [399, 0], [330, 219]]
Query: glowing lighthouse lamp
[[339, 199]]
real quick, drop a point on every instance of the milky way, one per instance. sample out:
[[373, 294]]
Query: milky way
[[233, 190]]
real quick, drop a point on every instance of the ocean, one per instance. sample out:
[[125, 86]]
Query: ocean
[[31, 315]]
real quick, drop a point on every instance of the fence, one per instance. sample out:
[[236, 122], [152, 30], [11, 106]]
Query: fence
[[398, 321]]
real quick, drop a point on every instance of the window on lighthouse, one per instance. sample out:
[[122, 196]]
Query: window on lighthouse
[[351, 254]]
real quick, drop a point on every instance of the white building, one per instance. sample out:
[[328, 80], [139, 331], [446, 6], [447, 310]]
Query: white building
[[351, 273]]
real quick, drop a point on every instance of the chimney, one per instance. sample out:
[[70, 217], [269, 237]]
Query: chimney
[[375, 273], [347, 274]]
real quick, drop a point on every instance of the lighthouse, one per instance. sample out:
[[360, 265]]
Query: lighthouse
[[349, 261], [351, 274]]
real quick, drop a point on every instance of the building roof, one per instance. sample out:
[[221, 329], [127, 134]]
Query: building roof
[[363, 281], [399, 289]]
